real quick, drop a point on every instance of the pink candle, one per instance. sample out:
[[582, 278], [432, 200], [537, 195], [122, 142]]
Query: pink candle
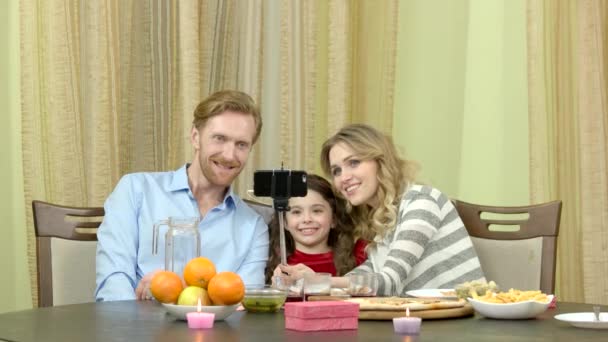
[[200, 320], [407, 325]]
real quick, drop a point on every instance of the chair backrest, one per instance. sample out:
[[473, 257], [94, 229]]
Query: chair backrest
[[265, 210], [66, 242], [523, 258]]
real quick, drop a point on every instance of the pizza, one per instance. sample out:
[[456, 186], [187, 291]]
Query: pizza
[[400, 304]]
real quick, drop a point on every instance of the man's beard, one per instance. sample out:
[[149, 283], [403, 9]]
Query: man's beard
[[223, 179]]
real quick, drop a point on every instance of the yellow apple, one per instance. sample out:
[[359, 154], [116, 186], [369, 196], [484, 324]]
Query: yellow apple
[[191, 294]]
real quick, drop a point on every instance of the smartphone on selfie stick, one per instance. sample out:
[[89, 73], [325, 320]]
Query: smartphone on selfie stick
[[281, 185]]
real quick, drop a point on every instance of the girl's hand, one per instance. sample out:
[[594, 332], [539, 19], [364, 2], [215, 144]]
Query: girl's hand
[[277, 271], [295, 272]]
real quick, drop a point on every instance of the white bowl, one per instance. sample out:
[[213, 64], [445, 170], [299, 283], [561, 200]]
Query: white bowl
[[220, 311], [519, 310]]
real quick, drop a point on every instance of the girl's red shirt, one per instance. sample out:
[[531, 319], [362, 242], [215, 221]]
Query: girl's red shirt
[[324, 262]]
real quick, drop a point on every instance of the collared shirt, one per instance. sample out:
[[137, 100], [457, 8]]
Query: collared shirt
[[232, 234]]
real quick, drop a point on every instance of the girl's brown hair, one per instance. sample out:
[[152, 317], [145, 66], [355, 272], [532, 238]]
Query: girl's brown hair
[[340, 237]]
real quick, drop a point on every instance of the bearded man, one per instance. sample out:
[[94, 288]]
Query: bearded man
[[226, 125]]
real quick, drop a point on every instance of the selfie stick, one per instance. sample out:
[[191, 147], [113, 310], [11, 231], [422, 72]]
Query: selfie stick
[[281, 205], [282, 237]]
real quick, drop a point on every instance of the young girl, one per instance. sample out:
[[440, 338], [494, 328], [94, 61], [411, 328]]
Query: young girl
[[317, 233], [417, 239]]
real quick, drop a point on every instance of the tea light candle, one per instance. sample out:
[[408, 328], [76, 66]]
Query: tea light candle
[[407, 325], [200, 320]]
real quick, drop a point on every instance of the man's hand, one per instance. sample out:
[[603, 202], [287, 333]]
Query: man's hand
[[142, 292]]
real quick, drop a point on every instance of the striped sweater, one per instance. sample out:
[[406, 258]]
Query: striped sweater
[[429, 248]]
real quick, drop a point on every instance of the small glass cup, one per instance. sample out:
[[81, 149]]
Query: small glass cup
[[317, 284], [362, 284], [263, 298], [293, 288]]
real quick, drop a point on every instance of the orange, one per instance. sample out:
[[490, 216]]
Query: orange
[[226, 288], [166, 286], [198, 272]]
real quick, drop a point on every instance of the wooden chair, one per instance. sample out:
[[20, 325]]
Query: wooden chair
[[522, 258], [66, 243]]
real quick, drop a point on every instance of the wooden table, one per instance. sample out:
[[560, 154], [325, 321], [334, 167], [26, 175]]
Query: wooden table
[[147, 321]]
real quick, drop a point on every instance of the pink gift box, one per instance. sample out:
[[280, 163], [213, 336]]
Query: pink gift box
[[316, 316]]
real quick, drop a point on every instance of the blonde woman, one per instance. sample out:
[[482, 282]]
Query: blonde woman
[[417, 240]]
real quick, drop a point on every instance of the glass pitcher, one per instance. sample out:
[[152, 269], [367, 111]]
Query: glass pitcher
[[182, 242]]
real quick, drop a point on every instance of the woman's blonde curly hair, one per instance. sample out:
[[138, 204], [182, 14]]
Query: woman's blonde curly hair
[[395, 174]]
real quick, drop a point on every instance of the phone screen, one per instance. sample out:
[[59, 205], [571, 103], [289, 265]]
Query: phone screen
[[279, 183]]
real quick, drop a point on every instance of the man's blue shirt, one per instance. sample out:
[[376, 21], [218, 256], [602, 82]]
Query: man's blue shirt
[[233, 235]]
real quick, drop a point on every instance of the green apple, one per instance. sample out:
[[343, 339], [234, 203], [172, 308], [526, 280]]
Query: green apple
[[191, 294]]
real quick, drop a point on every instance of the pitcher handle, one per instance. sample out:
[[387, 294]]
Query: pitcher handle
[[155, 235]]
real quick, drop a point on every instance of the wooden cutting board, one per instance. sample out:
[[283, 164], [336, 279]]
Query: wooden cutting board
[[378, 315], [466, 310]]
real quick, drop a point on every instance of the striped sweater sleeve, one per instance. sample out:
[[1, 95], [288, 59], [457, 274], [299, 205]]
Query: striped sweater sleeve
[[419, 220]]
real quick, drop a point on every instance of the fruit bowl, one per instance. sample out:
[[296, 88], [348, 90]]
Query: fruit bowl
[[220, 311], [264, 299]]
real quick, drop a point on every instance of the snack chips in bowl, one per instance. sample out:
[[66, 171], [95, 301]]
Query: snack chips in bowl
[[514, 304], [465, 290]]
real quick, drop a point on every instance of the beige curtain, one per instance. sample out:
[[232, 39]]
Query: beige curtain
[[336, 65], [568, 102], [108, 87]]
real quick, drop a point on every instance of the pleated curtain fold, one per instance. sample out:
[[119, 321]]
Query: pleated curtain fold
[[568, 111]]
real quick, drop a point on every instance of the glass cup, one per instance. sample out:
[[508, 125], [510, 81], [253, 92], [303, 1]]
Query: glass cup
[[362, 284], [317, 284], [293, 288], [263, 298]]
